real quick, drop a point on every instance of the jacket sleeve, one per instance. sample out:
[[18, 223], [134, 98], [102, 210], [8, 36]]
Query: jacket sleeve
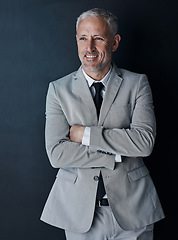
[[139, 138], [61, 151]]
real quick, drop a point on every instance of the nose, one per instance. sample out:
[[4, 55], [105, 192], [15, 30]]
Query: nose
[[91, 45]]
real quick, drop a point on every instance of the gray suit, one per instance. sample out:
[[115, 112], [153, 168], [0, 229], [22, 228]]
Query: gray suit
[[126, 126]]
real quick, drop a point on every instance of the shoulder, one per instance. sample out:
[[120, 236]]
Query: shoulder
[[64, 81], [63, 84], [131, 78], [132, 81], [129, 75]]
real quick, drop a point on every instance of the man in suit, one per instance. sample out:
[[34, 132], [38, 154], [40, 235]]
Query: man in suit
[[99, 124]]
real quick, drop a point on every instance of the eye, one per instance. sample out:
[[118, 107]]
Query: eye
[[82, 38], [99, 39]]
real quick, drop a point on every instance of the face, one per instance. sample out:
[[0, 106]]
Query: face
[[95, 44]]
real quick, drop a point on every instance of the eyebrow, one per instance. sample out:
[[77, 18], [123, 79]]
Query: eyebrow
[[96, 35]]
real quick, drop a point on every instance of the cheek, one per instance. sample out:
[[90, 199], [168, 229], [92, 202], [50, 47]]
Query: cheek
[[105, 49], [106, 53], [109, 51], [80, 48]]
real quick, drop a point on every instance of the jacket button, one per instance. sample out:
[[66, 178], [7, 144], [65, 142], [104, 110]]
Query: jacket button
[[96, 178]]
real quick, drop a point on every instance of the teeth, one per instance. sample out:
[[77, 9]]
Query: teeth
[[90, 56]]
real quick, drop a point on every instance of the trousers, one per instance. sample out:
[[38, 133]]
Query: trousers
[[105, 227]]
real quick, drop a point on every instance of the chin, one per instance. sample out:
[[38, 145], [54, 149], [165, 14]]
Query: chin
[[90, 68]]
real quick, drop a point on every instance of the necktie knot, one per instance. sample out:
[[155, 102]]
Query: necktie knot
[[98, 87]]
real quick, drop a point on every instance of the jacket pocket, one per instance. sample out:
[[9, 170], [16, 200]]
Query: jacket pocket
[[138, 173], [64, 175]]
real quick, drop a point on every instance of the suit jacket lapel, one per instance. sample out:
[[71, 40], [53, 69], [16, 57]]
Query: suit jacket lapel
[[112, 89], [81, 88]]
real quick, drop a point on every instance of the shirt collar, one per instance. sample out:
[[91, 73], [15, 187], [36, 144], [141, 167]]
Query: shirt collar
[[91, 80]]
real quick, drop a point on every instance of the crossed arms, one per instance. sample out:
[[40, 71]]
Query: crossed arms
[[63, 142]]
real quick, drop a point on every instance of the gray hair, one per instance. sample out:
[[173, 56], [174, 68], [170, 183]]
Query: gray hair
[[97, 12]]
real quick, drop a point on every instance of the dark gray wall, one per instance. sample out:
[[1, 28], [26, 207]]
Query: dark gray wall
[[37, 45]]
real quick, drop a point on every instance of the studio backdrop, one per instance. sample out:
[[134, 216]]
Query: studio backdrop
[[37, 46]]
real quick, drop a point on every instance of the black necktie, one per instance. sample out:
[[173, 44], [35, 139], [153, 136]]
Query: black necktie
[[98, 101], [98, 98]]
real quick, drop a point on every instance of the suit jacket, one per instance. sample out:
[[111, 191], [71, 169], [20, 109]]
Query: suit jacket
[[126, 126]]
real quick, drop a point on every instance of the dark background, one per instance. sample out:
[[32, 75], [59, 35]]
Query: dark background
[[37, 45]]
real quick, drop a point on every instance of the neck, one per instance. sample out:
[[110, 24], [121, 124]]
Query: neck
[[98, 75]]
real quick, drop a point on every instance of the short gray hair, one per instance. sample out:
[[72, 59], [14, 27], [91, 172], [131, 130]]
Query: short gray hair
[[97, 12]]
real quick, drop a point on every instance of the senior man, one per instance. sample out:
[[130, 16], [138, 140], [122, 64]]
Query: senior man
[[100, 124]]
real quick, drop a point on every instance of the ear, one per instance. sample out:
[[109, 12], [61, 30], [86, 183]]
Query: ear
[[116, 40]]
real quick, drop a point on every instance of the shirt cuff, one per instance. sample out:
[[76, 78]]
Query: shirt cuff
[[86, 142], [118, 158], [86, 137]]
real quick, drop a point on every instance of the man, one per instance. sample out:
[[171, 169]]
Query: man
[[99, 124]]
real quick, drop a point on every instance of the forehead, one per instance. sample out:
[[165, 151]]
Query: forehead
[[93, 25]]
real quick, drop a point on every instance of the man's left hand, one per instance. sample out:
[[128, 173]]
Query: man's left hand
[[76, 133]]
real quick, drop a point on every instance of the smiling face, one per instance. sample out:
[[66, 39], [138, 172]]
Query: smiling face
[[96, 45]]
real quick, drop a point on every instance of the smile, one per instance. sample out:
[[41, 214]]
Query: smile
[[91, 56]]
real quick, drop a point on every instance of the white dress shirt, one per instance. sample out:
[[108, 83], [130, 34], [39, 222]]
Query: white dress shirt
[[86, 135]]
